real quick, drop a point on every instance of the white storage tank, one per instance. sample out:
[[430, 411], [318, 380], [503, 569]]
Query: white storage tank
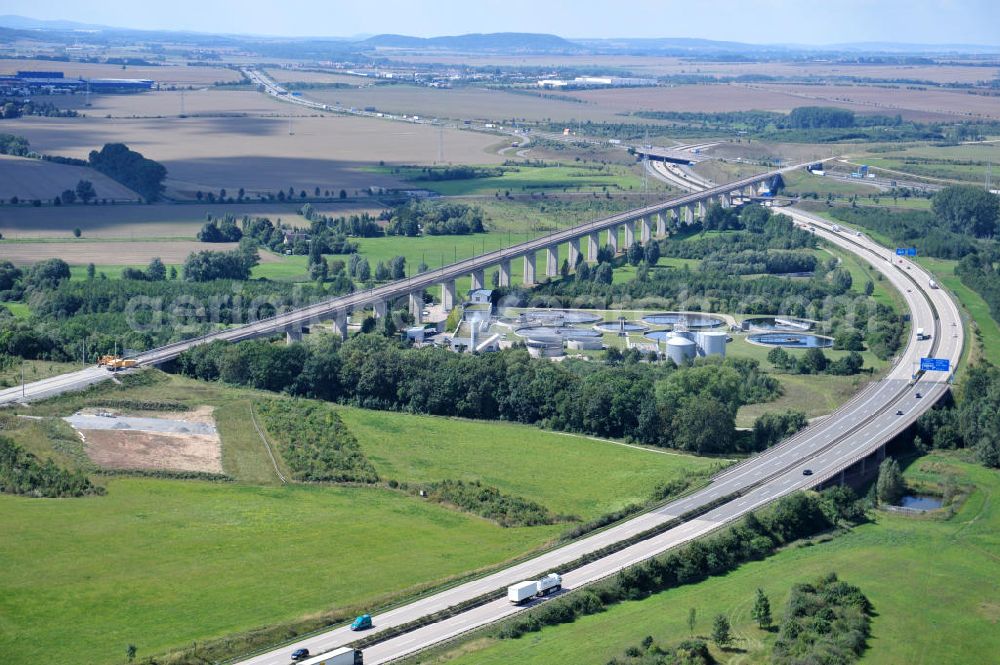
[[585, 344], [713, 342], [680, 349]]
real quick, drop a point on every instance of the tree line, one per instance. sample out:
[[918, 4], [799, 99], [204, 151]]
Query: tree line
[[972, 423], [690, 408]]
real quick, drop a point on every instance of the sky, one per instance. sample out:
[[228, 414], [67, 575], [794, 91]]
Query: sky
[[752, 21]]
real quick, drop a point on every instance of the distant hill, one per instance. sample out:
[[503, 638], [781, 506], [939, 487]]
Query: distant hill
[[498, 41], [25, 23]]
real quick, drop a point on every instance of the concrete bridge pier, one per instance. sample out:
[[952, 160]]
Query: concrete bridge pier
[[701, 210], [574, 252], [504, 275], [613, 239], [645, 230], [416, 300], [593, 244], [340, 323], [629, 234], [661, 225], [448, 295], [379, 309], [689, 214], [552, 261], [529, 268], [293, 336], [478, 279]]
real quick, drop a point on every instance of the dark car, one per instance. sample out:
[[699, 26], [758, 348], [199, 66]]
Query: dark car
[[807, 472], [899, 412], [300, 654], [919, 395]]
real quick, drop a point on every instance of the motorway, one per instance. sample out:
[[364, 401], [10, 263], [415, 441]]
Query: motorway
[[853, 432]]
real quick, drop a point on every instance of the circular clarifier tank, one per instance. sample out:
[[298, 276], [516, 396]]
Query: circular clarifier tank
[[550, 332], [689, 320], [779, 324], [619, 326], [791, 340]]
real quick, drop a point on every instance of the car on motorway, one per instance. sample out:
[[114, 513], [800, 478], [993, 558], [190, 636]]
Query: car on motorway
[[899, 412], [363, 622], [807, 472], [919, 395], [300, 654]]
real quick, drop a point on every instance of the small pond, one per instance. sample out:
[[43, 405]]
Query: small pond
[[920, 502]]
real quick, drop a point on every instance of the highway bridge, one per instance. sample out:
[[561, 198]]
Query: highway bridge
[[642, 225]]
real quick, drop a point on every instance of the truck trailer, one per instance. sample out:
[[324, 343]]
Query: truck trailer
[[341, 656], [524, 591]]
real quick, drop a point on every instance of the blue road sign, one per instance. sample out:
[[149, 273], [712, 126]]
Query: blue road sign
[[900, 251], [935, 365], [906, 251]]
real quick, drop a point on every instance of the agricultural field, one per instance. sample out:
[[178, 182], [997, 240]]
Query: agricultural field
[[469, 103], [652, 66], [105, 253], [151, 222], [109, 549], [292, 75], [258, 153], [932, 581], [694, 98], [29, 179], [166, 75], [522, 180], [204, 101], [923, 104]]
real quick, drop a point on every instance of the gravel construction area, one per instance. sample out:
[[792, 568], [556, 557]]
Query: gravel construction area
[[144, 442], [94, 421]]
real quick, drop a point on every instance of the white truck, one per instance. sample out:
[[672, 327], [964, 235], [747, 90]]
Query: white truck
[[932, 284], [341, 656], [524, 591], [921, 334]]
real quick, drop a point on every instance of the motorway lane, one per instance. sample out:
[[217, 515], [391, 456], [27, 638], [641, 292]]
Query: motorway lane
[[54, 385], [782, 464]]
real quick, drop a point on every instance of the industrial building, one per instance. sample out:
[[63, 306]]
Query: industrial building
[[54, 83], [596, 82]]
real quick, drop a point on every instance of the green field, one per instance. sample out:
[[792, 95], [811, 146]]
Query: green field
[[595, 478], [160, 563], [933, 583], [974, 306], [528, 179]]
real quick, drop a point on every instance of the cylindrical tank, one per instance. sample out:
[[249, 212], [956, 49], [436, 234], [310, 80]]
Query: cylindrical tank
[[680, 349], [713, 343]]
